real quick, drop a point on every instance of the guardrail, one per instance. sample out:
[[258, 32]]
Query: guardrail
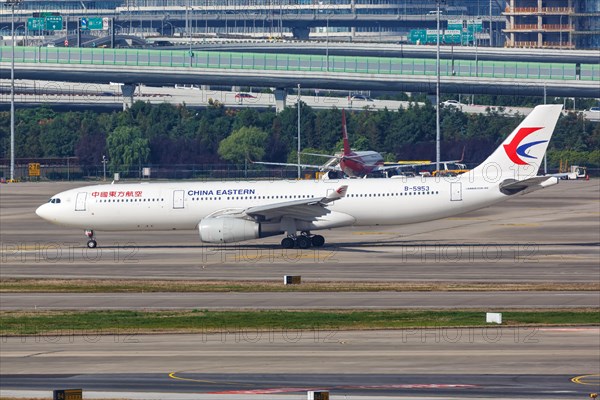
[[300, 63]]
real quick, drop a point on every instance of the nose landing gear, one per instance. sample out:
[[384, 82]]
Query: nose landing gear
[[91, 243]]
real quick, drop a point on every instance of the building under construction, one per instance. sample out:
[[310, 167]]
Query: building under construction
[[561, 24]]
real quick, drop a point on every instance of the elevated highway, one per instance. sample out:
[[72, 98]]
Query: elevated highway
[[271, 17], [480, 53], [282, 71]]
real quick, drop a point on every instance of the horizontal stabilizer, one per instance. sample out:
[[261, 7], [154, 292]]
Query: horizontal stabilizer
[[512, 186]]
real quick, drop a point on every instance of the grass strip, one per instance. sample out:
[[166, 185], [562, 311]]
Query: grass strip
[[108, 322], [180, 286]]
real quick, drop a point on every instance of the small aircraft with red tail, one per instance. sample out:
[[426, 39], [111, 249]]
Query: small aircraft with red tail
[[355, 164]]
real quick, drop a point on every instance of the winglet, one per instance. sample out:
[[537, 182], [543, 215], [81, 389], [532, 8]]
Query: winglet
[[336, 194]]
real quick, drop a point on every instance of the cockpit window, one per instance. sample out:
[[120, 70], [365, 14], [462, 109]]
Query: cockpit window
[[54, 201]]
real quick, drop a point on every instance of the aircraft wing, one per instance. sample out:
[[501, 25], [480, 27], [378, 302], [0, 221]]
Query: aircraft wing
[[305, 209], [513, 186], [320, 167]]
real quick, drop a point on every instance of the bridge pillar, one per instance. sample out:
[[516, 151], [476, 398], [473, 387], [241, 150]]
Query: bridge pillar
[[127, 90], [301, 33], [280, 95]]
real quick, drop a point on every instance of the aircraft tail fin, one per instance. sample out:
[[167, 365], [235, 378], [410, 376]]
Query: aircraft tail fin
[[521, 153], [347, 150]]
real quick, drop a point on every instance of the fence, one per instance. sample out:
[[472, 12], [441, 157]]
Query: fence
[[72, 172], [300, 62], [196, 172]]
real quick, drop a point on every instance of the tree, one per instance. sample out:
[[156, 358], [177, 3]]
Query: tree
[[243, 144], [126, 147]]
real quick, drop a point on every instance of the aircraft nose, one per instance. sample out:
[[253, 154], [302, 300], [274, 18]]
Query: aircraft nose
[[42, 211]]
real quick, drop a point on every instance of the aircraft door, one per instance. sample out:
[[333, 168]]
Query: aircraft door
[[80, 201], [456, 191], [178, 199]]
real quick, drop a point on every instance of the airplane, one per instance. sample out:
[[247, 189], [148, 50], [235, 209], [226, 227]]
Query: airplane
[[226, 212], [352, 163], [355, 164]]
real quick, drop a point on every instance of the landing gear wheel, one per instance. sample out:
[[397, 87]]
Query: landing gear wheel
[[303, 242], [91, 243], [287, 243], [317, 240]]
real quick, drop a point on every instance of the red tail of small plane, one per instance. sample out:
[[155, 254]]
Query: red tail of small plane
[[347, 151]]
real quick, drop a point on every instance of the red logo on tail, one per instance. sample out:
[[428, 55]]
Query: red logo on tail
[[513, 150]]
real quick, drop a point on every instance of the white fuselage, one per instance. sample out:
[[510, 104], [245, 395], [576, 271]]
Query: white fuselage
[[182, 205]]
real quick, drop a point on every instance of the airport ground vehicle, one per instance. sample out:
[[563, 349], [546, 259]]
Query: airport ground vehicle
[[574, 172], [447, 168]]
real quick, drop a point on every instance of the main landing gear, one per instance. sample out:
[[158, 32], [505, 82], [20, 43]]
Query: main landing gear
[[303, 241], [91, 243]]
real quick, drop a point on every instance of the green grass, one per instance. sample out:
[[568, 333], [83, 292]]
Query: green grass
[[30, 323], [21, 285]]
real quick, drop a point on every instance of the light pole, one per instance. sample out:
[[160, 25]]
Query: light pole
[[189, 27], [104, 161], [545, 154], [298, 106], [13, 4], [437, 90], [490, 23], [327, 43], [475, 37]]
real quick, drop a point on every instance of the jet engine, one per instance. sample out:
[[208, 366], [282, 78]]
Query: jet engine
[[227, 229]]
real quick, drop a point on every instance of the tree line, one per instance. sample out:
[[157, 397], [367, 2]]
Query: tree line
[[167, 134]]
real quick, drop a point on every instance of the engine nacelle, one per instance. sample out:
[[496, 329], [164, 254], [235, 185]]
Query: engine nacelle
[[231, 229]]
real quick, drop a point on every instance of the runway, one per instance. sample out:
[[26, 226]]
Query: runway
[[449, 362], [297, 300]]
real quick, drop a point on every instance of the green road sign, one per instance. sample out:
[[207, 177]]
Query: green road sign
[[417, 35], [92, 24], [452, 36], [455, 24], [448, 36], [54, 23], [474, 25], [35, 24]]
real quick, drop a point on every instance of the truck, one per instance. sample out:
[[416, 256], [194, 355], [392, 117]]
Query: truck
[[574, 172]]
